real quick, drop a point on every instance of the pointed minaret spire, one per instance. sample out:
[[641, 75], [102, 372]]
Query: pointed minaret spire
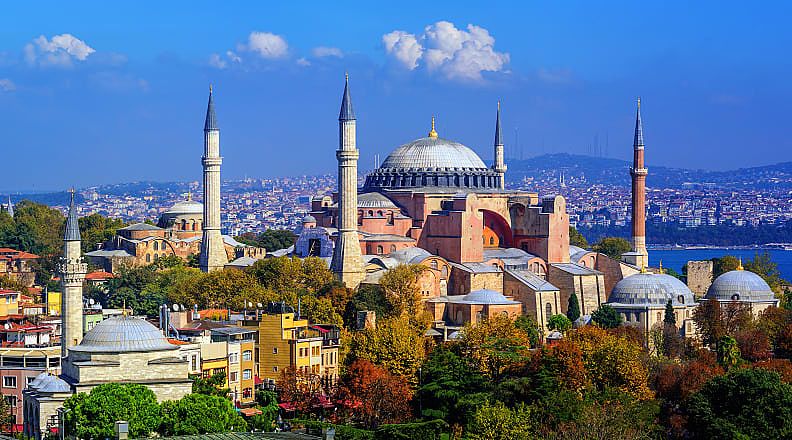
[[211, 118], [499, 166], [10, 207], [72, 225], [347, 113], [638, 141]]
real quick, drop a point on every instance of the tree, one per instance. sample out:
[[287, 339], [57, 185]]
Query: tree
[[573, 308], [271, 239], [607, 317], [559, 322], [39, 228], [367, 297], [96, 229], [724, 264], [765, 267], [375, 395], [447, 379], [612, 361], [210, 386], [395, 343], [675, 382], [93, 415], [613, 247], [577, 239], [494, 421], [494, 344], [715, 321], [728, 353], [301, 389], [289, 276], [669, 317], [670, 343], [753, 344], [400, 285], [229, 288], [744, 404], [531, 329], [200, 414]]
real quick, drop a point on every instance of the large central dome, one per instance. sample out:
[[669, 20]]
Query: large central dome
[[431, 153], [433, 162]]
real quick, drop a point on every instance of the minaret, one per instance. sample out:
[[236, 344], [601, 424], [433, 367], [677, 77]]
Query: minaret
[[72, 272], [213, 255], [638, 172], [10, 207], [499, 166], [347, 264]]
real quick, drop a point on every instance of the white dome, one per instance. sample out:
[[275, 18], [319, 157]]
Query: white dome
[[123, 334], [740, 285], [433, 153], [186, 207]]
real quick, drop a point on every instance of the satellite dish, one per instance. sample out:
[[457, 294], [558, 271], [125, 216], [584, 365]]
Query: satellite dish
[[91, 301], [250, 304], [175, 307], [259, 305]]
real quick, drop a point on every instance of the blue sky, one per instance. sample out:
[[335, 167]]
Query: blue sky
[[116, 91]]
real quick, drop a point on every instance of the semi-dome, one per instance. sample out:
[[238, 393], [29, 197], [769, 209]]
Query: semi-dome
[[433, 161], [649, 289], [740, 285], [121, 334]]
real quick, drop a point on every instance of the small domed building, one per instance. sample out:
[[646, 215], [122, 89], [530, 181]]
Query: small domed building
[[641, 300], [184, 219], [742, 287]]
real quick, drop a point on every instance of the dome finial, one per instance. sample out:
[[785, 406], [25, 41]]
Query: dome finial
[[643, 268], [739, 264], [432, 132], [124, 310], [660, 269], [189, 196]]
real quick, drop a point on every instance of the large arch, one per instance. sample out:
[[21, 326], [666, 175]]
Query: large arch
[[497, 232]]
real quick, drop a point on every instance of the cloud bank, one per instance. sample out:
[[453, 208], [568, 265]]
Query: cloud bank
[[442, 48], [6, 85], [61, 51]]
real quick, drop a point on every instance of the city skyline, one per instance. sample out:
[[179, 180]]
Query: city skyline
[[123, 101]]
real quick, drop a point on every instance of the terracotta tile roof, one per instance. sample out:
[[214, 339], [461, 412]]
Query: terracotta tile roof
[[99, 275]]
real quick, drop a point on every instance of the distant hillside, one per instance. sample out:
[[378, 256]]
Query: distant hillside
[[599, 170]]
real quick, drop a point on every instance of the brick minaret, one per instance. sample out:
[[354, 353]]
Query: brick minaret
[[72, 272], [499, 166], [638, 172], [347, 264], [213, 255]]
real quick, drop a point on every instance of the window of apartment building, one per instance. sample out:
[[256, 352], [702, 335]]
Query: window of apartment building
[[194, 362], [11, 400], [9, 381], [274, 350], [247, 355], [275, 369], [233, 358], [247, 374], [29, 379], [234, 377]]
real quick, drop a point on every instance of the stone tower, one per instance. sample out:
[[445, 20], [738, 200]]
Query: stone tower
[[347, 264], [638, 173], [213, 255], [499, 166], [72, 272]]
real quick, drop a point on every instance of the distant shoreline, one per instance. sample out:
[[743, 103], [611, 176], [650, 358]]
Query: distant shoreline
[[772, 246]]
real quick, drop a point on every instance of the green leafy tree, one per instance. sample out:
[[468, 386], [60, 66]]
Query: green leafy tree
[[613, 247], [573, 308], [559, 322], [724, 264], [749, 403], [530, 327], [211, 386], [764, 266], [93, 415], [271, 239], [446, 379], [607, 317], [495, 421], [200, 414], [577, 239], [96, 229], [367, 297], [670, 317], [728, 353]]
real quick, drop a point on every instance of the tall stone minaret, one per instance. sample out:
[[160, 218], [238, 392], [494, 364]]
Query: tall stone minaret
[[638, 172], [499, 166], [213, 255], [72, 272], [347, 264], [10, 207]]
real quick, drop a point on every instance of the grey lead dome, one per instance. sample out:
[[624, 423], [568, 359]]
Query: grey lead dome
[[122, 334], [431, 153], [740, 285], [649, 289]]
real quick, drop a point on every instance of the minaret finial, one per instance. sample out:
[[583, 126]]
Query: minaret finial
[[432, 132], [211, 118], [72, 224], [210, 88], [638, 141], [189, 196]]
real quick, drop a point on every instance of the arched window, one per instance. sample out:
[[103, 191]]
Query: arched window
[[156, 246], [194, 226], [390, 217], [548, 310], [156, 257], [393, 248], [379, 214], [492, 241], [183, 225], [148, 258], [433, 264], [371, 213], [444, 272], [659, 316], [379, 250]]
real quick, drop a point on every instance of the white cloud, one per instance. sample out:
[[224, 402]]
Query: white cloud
[[6, 85], [324, 51], [61, 50], [303, 62], [455, 53], [233, 57], [403, 47], [216, 60], [267, 45]]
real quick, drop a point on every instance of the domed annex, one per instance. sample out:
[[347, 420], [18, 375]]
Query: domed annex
[[123, 334], [649, 289], [742, 286], [432, 161], [185, 215]]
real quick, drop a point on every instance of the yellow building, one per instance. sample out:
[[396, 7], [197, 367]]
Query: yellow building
[[240, 346], [53, 303], [286, 341], [9, 302], [214, 359]]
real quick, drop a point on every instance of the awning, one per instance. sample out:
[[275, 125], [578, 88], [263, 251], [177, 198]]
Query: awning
[[249, 412]]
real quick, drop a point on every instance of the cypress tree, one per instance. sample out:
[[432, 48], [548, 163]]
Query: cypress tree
[[670, 316], [573, 309]]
